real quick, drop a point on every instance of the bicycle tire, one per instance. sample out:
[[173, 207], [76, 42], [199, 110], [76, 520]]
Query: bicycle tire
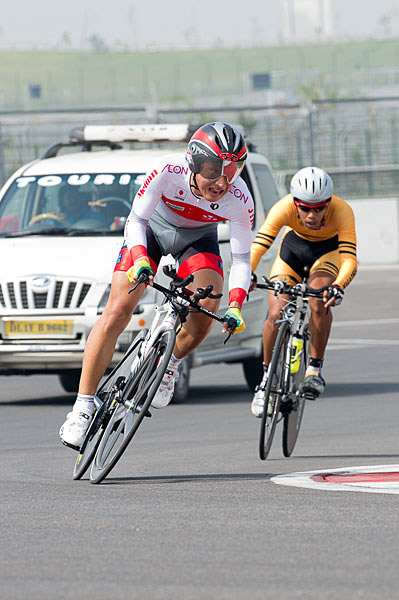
[[273, 391], [105, 392], [138, 393], [293, 415]]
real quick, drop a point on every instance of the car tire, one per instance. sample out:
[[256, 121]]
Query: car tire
[[183, 383], [253, 371], [70, 380]]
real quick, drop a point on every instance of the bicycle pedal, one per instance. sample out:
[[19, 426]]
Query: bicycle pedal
[[310, 395], [138, 410], [286, 406]]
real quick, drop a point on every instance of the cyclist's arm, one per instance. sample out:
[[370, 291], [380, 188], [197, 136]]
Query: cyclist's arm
[[143, 206], [240, 272], [240, 278], [240, 245], [346, 246]]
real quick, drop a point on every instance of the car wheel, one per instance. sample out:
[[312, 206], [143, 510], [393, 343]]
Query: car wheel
[[253, 371], [70, 380], [183, 383]]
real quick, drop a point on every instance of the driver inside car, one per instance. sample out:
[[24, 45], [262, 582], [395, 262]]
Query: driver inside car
[[75, 206]]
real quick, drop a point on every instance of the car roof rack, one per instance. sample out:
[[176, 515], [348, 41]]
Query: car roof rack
[[131, 133], [110, 136]]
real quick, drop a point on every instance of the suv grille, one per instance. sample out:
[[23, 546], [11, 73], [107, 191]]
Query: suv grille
[[58, 293]]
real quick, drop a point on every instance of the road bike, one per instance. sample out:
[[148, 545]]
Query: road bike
[[123, 400], [284, 394]]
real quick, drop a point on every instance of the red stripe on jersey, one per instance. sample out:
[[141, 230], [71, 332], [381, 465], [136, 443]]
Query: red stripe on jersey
[[237, 295], [201, 260], [194, 213], [138, 252], [125, 261]]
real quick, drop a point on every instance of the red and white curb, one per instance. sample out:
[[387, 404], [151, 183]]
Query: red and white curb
[[377, 479]]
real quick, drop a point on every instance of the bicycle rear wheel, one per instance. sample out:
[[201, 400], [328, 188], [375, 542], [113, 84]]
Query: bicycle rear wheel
[[133, 406], [274, 390], [294, 412], [106, 393]]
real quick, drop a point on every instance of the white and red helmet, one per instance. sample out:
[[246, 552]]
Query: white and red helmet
[[217, 149]]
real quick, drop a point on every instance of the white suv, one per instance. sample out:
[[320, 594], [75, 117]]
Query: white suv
[[61, 228]]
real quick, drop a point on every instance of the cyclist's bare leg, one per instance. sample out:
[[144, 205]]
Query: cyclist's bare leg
[[101, 342], [320, 321], [197, 327]]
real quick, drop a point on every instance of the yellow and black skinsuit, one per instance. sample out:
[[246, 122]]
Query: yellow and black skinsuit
[[331, 248]]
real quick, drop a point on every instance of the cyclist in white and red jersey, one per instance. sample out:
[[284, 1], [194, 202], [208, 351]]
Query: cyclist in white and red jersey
[[176, 211]]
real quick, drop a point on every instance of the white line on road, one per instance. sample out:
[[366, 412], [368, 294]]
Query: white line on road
[[360, 342], [378, 479], [366, 322]]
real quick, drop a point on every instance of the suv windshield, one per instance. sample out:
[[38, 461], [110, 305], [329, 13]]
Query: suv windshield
[[96, 202]]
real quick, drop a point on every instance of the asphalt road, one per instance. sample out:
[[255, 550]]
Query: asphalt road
[[190, 511]]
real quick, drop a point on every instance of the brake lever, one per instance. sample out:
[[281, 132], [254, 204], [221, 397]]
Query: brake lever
[[178, 282], [231, 326], [143, 278], [202, 293]]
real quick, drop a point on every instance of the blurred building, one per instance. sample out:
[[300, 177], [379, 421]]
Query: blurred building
[[306, 20]]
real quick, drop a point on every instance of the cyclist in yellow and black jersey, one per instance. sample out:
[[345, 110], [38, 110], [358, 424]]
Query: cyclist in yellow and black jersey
[[320, 234]]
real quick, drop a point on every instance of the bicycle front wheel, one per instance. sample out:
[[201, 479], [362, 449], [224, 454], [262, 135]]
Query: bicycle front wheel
[[293, 412], [275, 388], [133, 406], [108, 389]]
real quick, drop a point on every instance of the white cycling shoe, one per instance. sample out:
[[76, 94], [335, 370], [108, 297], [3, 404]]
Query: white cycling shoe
[[258, 402], [74, 429], [166, 388]]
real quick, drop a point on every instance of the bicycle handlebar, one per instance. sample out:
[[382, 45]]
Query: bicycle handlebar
[[300, 289], [184, 294]]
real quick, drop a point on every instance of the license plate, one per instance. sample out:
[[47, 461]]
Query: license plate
[[42, 328]]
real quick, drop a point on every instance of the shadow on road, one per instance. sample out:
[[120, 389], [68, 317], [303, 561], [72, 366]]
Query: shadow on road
[[219, 477], [52, 401], [360, 389], [241, 393], [346, 456], [197, 395], [216, 395], [230, 393]]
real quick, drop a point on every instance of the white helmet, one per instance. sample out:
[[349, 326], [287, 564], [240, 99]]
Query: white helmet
[[311, 185]]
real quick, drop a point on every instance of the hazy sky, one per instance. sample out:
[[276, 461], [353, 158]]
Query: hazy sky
[[191, 23]]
